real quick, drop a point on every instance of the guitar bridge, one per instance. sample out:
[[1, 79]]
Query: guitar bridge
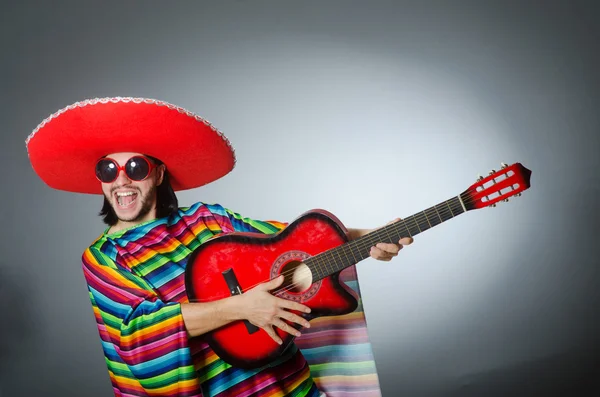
[[234, 289]]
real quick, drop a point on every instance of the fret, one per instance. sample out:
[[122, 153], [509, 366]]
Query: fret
[[422, 222], [415, 222], [414, 230], [376, 237], [322, 270], [322, 266], [449, 208], [433, 217], [349, 248], [437, 213], [457, 207], [406, 227], [316, 264], [337, 251], [394, 229], [390, 240], [354, 249], [364, 249], [443, 212], [372, 238], [325, 262], [344, 262], [336, 264], [328, 259], [427, 219], [344, 249], [313, 267]]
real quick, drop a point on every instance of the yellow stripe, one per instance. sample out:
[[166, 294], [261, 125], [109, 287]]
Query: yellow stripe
[[140, 333]]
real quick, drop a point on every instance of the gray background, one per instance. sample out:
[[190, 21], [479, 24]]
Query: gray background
[[370, 110]]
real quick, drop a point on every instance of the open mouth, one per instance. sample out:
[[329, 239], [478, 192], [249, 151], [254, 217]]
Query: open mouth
[[126, 199]]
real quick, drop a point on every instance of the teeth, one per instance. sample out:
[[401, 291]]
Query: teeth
[[120, 196]]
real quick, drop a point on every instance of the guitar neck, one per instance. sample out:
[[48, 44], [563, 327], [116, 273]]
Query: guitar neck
[[346, 255]]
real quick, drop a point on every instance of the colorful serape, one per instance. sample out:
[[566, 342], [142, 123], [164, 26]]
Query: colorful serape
[[136, 285]]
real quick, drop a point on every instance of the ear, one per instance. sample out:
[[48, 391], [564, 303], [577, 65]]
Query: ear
[[160, 174]]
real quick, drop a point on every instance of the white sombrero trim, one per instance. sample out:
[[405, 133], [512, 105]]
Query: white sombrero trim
[[126, 100]]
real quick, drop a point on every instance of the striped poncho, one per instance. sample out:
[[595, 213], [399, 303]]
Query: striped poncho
[[136, 284]]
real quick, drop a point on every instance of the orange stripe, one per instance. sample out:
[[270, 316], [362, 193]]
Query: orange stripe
[[138, 337]]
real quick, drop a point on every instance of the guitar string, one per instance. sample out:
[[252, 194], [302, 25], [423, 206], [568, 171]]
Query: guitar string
[[365, 243], [375, 235], [361, 245], [418, 218]]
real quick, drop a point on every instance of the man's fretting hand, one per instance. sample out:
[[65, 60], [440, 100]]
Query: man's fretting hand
[[386, 251]]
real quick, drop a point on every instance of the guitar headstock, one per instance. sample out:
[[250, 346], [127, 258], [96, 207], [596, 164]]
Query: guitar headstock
[[510, 181]]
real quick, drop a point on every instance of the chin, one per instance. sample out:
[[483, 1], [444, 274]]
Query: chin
[[128, 215], [128, 218]]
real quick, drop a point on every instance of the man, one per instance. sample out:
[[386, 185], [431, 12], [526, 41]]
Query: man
[[137, 153]]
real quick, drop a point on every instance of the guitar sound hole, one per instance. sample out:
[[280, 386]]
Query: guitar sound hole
[[298, 277]]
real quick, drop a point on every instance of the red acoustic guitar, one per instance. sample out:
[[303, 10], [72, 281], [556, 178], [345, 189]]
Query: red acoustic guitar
[[310, 252]]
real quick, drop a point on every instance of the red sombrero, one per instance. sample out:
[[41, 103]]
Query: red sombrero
[[64, 148]]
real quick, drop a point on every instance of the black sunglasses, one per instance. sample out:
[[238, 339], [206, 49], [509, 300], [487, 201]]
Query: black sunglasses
[[136, 168]]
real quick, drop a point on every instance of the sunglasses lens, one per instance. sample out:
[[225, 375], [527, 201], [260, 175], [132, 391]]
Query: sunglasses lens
[[137, 168], [106, 170]]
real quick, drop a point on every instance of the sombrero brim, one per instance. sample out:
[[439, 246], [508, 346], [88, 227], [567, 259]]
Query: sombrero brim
[[64, 148]]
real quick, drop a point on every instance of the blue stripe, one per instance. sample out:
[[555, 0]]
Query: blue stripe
[[162, 365], [109, 306]]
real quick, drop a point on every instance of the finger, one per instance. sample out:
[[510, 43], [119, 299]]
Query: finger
[[294, 318], [390, 248], [274, 283], [291, 305], [380, 254], [269, 330], [394, 221], [282, 325], [406, 241]]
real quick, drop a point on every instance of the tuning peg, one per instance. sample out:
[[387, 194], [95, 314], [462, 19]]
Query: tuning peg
[[505, 200], [492, 172], [492, 205], [504, 165], [479, 178], [517, 195]]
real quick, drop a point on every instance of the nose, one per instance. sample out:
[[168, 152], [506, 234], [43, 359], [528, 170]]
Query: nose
[[122, 179]]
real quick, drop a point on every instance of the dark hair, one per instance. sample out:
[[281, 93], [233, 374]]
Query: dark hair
[[166, 200]]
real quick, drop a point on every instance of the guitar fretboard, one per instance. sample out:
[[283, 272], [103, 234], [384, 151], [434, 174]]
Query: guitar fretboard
[[346, 255]]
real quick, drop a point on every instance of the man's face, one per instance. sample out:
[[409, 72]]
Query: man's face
[[132, 201]]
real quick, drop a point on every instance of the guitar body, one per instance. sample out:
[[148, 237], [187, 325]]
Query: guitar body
[[256, 258]]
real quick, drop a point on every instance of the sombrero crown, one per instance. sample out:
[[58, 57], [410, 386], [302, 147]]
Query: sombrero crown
[[64, 148]]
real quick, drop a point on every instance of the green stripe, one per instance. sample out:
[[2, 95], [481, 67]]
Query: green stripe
[[147, 320], [214, 369], [264, 227], [201, 237], [344, 369], [303, 389], [166, 379]]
